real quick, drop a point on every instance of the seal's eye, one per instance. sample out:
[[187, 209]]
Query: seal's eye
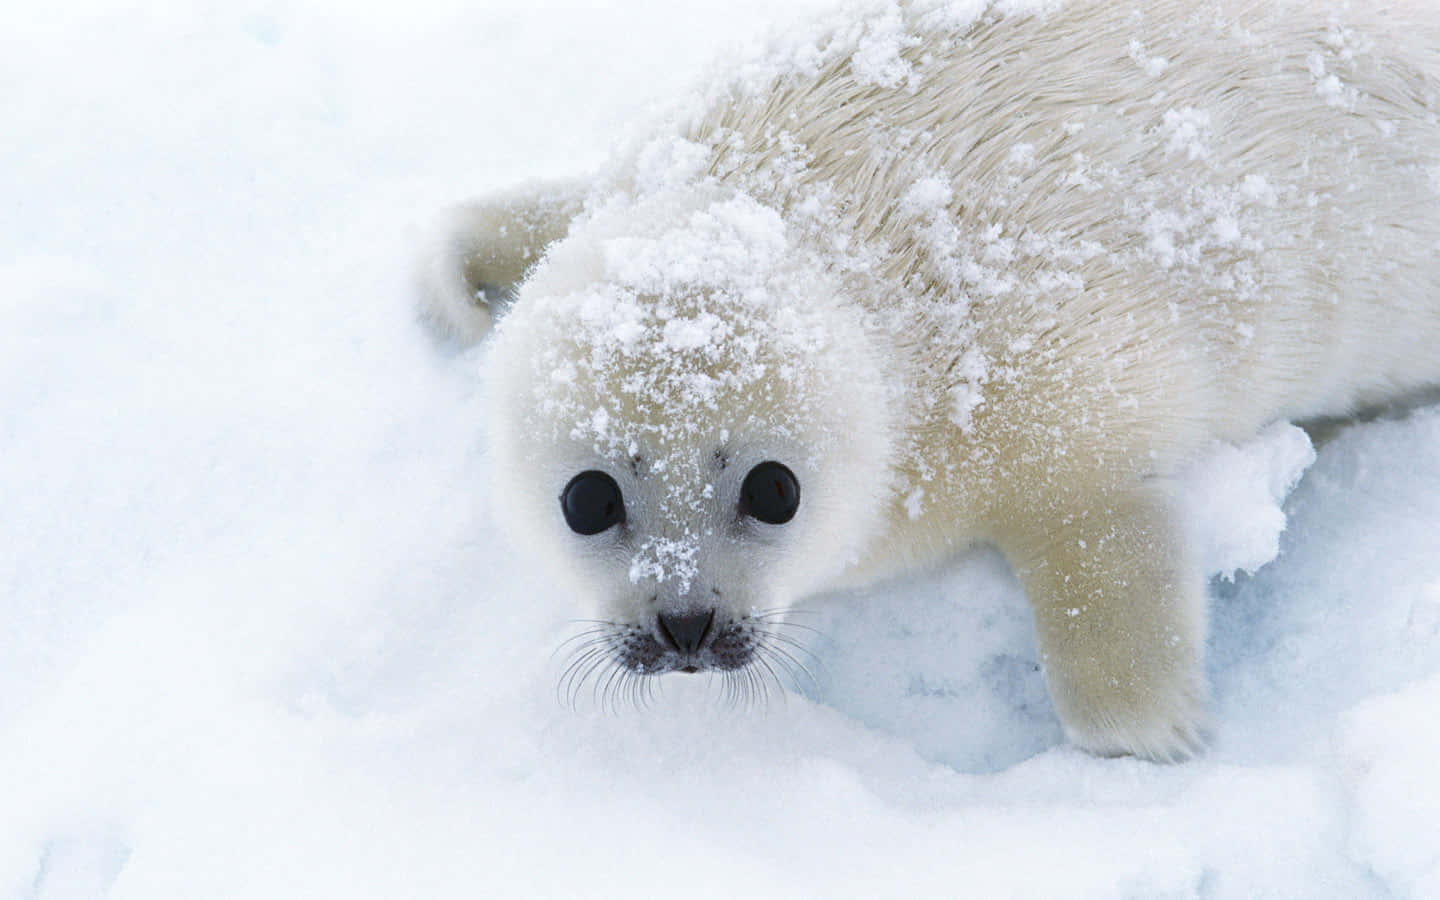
[[770, 493], [592, 503]]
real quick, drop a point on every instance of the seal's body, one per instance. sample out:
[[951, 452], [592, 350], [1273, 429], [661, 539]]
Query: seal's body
[[928, 278]]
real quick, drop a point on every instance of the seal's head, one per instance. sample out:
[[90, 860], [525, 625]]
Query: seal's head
[[689, 422]]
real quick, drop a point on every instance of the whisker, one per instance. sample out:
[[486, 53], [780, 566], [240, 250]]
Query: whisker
[[588, 634], [777, 623], [759, 690], [590, 641], [789, 639], [601, 645], [791, 642], [598, 665], [732, 689], [621, 694], [563, 687], [607, 695], [639, 690], [596, 660], [623, 688], [782, 611], [760, 658], [572, 668], [766, 656], [581, 652], [780, 653]]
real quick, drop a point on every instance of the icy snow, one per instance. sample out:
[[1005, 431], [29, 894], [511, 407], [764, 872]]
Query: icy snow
[[1233, 496], [263, 638]]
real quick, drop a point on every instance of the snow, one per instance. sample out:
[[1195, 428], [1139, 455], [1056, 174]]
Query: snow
[[1233, 497], [264, 638]]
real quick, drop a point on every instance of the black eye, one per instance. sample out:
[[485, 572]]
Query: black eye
[[770, 493], [592, 503]]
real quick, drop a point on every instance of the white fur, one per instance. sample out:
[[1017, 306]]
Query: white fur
[[975, 272]]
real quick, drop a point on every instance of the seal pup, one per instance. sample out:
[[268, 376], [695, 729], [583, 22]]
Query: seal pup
[[937, 273]]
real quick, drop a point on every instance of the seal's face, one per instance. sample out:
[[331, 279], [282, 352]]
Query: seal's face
[[692, 441], [685, 562], [686, 600]]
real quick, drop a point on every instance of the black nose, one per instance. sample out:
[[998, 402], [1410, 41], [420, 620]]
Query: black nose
[[686, 631]]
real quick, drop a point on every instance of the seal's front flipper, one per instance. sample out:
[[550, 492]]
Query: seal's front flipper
[[482, 251], [1120, 618]]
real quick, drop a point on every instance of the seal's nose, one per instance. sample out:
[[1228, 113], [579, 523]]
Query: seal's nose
[[686, 632]]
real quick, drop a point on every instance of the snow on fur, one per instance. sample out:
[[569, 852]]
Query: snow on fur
[[261, 640]]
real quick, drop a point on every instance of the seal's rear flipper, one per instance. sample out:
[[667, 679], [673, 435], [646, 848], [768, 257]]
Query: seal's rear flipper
[[482, 250]]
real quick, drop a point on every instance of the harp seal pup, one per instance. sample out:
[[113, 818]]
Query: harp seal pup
[[929, 274]]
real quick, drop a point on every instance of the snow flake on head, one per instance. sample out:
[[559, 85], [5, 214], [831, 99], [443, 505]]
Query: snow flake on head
[[1153, 66], [927, 197], [1337, 61], [667, 559], [877, 58], [1187, 131], [733, 245], [686, 304], [662, 164], [967, 395], [692, 334]]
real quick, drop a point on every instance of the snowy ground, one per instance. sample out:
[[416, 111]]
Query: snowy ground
[[262, 638]]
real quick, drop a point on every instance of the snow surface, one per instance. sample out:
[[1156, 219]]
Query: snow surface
[[263, 638]]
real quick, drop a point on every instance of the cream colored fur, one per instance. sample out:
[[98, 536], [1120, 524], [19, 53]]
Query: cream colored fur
[[1066, 249], [482, 251]]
